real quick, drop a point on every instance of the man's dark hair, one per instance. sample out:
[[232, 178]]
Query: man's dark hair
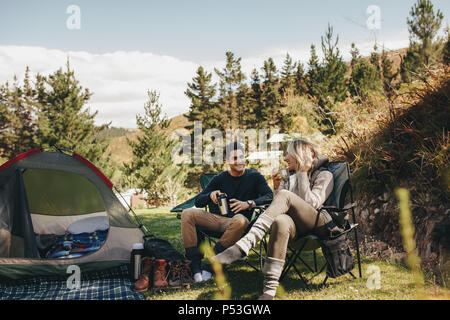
[[231, 147]]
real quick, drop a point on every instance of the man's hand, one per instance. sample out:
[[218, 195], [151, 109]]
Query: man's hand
[[213, 196], [237, 206]]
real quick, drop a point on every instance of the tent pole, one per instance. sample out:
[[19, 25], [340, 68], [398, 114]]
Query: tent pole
[[141, 225]]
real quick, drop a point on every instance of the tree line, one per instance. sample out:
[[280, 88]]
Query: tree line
[[49, 112], [238, 102]]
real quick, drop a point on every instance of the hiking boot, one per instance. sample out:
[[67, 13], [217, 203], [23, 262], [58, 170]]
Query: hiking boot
[[159, 274], [186, 273], [174, 274], [179, 273], [142, 283]]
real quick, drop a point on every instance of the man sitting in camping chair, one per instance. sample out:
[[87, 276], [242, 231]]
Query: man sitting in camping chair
[[245, 189]]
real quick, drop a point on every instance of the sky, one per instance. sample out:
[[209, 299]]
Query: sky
[[122, 49]]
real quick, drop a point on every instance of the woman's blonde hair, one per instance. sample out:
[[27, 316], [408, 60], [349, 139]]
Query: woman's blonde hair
[[303, 152]]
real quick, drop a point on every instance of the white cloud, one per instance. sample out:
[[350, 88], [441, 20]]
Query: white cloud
[[119, 80]]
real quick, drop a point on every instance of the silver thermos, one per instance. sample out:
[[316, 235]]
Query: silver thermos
[[222, 198], [136, 256]]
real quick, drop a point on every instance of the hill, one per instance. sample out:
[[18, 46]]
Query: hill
[[118, 148]]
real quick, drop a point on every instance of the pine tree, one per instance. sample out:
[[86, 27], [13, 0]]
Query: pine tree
[[446, 55], [17, 118], [313, 79], [354, 52], [272, 114], [364, 79], [151, 151], [246, 116], [5, 121], [201, 92], [424, 48], [387, 71], [300, 80], [64, 119], [334, 68], [375, 59], [231, 79], [256, 100], [327, 81], [287, 74], [365, 76]]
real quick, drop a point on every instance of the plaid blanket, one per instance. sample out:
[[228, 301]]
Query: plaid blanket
[[113, 284]]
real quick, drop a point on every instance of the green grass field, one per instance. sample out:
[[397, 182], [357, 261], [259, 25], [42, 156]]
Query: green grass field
[[396, 281]]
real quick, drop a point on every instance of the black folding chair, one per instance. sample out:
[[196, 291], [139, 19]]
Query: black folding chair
[[213, 236], [335, 203]]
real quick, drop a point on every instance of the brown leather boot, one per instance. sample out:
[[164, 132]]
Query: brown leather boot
[[159, 274], [146, 270]]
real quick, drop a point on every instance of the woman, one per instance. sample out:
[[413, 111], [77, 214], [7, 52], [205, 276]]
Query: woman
[[292, 213]]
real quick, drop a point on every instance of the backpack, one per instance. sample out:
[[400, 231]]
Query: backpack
[[338, 256], [161, 249]]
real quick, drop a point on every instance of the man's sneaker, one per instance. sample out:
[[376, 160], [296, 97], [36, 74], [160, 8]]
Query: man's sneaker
[[198, 277], [206, 275]]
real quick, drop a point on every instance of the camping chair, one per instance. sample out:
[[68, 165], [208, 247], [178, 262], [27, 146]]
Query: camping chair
[[335, 202], [212, 236]]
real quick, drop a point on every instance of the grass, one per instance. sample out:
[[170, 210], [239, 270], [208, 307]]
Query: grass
[[396, 280]]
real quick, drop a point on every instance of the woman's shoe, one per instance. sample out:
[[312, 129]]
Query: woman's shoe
[[241, 248]]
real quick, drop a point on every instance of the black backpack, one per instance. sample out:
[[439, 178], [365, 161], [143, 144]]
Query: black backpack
[[161, 249], [338, 256]]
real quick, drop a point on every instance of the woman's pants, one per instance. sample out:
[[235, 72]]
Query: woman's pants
[[292, 217]]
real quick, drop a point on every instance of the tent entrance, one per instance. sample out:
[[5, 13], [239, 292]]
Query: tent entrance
[[58, 215]]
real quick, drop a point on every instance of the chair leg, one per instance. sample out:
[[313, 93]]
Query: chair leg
[[306, 264], [357, 253], [261, 255], [291, 260], [301, 277], [324, 281], [315, 261]]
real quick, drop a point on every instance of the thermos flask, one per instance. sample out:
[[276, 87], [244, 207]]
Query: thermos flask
[[135, 259], [223, 203]]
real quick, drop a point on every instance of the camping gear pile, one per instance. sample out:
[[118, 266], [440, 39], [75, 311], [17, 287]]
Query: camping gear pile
[[162, 267]]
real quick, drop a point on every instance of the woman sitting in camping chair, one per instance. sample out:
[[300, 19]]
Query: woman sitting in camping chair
[[293, 212]]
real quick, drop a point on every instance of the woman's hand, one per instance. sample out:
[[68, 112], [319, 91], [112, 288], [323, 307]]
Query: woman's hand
[[276, 178], [306, 166]]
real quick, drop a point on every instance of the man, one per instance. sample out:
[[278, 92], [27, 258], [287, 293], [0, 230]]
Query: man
[[245, 188]]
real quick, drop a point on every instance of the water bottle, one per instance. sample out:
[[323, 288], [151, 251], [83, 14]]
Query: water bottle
[[223, 203], [135, 259]]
